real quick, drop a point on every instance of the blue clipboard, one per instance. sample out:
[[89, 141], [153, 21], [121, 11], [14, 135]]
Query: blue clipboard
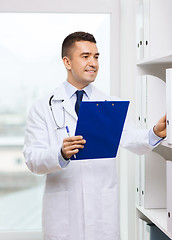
[[101, 124]]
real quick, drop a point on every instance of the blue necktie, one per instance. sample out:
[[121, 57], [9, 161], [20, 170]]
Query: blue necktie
[[79, 95]]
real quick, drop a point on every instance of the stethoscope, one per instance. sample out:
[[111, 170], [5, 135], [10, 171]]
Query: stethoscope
[[51, 108]]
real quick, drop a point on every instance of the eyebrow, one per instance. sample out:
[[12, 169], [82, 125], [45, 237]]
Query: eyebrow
[[88, 53]]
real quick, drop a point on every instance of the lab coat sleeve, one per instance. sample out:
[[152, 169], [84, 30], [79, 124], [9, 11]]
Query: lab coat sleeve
[[136, 140], [153, 138], [40, 157]]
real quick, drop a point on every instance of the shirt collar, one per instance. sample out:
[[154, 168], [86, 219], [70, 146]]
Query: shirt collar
[[70, 89]]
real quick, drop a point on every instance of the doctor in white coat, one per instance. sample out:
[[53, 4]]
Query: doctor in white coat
[[80, 200]]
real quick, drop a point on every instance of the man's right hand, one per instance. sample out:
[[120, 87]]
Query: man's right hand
[[71, 146]]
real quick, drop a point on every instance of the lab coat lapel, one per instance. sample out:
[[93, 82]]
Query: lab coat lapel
[[68, 108], [60, 94]]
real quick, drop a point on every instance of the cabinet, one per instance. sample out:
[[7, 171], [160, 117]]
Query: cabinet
[[151, 167], [154, 19], [154, 57]]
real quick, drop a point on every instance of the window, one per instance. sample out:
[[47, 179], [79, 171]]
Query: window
[[31, 67]]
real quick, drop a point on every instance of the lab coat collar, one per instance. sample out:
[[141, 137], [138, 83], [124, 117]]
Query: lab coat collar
[[61, 95]]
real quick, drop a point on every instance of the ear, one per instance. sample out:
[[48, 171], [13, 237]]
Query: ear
[[67, 63]]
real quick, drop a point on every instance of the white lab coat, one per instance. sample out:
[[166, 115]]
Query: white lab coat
[[81, 200]]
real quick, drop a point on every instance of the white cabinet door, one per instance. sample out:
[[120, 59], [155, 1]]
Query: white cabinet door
[[155, 181], [155, 99], [169, 196], [160, 25], [151, 167], [140, 30], [157, 24], [169, 104]]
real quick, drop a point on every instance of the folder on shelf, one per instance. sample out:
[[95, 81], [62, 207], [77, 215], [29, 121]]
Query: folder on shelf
[[157, 234], [101, 124]]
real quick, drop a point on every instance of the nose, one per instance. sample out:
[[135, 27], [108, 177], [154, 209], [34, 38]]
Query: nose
[[93, 62]]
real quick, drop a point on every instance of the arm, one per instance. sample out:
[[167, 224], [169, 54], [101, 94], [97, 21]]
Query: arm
[[41, 157], [135, 140], [139, 141]]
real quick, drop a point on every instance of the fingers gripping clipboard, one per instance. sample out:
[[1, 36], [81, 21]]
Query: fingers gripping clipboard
[[101, 124]]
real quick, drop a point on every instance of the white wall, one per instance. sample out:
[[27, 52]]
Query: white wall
[[127, 91]]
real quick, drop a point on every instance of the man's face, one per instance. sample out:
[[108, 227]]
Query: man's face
[[83, 64]]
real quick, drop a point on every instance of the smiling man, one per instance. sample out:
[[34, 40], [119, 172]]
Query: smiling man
[[81, 62], [81, 197]]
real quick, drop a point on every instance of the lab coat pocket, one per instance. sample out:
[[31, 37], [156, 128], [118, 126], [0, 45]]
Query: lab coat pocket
[[110, 210], [56, 215]]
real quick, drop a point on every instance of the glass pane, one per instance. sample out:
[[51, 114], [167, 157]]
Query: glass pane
[[31, 67]]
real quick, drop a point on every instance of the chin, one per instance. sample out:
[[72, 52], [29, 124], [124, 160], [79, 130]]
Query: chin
[[90, 80]]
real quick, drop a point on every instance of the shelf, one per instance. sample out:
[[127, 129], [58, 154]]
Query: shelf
[[158, 217], [164, 149], [165, 144], [157, 60]]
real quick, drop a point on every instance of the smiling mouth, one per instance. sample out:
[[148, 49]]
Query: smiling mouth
[[90, 71]]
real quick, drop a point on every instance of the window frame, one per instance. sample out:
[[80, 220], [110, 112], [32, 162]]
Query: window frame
[[111, 7]]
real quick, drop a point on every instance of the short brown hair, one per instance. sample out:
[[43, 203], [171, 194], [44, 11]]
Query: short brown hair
[[75, 37]]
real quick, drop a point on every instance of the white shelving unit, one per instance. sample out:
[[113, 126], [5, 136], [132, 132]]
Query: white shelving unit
[[156, 216], [161, 59], [154, 56]]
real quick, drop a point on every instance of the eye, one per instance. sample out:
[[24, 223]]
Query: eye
[[96, 57], [85, 56]]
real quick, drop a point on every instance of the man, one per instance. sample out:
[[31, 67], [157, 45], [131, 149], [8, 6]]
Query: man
[[81, 197]]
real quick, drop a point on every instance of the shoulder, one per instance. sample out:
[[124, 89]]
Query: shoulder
[[99, 95]]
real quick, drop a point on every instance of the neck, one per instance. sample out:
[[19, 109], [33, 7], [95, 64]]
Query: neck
[[79, 86]]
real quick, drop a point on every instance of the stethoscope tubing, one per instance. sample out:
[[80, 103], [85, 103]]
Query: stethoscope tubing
[[52, 112]]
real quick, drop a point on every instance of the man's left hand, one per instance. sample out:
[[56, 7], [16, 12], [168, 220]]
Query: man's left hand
[[160, 128]]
